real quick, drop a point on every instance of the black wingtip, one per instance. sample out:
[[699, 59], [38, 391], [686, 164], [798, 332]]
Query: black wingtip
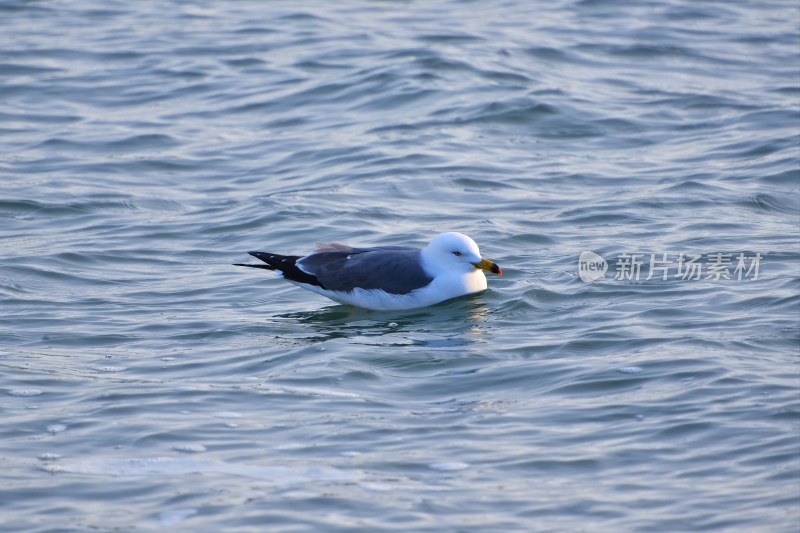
[[262, 256], [267, 267]]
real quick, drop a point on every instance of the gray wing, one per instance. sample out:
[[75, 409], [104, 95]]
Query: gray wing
[[390, 268]]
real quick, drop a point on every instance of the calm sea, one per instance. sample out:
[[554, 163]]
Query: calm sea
[[632, 166]]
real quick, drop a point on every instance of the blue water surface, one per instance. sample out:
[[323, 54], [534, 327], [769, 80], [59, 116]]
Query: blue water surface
[[148, 384]]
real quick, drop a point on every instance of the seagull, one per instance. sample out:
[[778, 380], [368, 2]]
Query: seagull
[[385, 278]]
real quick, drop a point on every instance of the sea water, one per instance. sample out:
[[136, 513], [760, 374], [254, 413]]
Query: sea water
[[632, 166]]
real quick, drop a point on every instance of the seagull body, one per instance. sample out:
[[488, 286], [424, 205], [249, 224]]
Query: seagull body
[[387, 277]]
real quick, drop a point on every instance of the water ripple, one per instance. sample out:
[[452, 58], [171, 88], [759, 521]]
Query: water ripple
[[147, 147]]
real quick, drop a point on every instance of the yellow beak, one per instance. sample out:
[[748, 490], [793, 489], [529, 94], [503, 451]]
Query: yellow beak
[[490, 266]]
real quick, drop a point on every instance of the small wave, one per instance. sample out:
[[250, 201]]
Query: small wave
[[134, 143], [176, 466], [767, 202], [11, 69], [55, 118]]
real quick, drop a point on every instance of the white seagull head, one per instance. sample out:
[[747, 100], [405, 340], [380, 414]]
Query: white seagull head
[[457, 253]]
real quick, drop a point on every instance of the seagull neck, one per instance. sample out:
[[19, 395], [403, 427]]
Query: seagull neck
[[427, 262]]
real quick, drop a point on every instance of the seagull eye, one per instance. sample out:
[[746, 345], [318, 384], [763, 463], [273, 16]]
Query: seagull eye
[[457, 254]]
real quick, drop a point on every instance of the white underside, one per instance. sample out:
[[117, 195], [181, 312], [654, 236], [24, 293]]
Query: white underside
[[440, 289]]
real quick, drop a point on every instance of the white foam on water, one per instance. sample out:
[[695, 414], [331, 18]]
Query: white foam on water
[[299, 494], [56, 428], [449, 466], [227, 414], [189, 448], [290, 446], [169, 518], [109, 369], [24, 393]]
